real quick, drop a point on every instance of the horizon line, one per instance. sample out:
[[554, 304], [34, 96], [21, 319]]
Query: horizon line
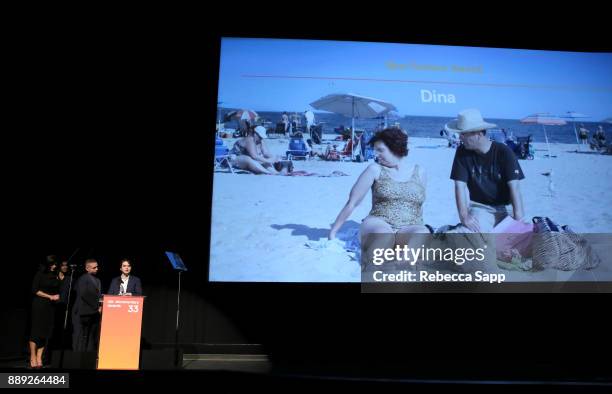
[[577, 120]]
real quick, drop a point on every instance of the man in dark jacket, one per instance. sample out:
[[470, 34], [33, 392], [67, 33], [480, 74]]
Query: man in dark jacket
[[126, 284], [86, 311]]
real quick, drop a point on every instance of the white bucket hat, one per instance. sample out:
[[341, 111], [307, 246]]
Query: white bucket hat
[[467, 121], [261, 131]]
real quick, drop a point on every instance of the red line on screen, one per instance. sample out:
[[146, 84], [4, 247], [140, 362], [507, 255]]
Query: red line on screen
[[496, 85]]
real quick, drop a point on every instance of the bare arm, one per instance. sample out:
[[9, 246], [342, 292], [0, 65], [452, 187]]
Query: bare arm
[[423, 176], [42, 294], [39, 293], [516, 198], [461, 198], [251, 149], [358, 192], [265, 151]]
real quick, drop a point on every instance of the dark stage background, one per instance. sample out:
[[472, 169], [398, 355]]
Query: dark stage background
[[112, 157]]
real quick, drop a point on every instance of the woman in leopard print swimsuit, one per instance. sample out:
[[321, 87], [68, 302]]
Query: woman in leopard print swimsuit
[[398, 194]]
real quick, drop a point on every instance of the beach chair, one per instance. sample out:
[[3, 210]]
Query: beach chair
[[297, 149], [367, 152], [280, 128], [522, 148], [222, 156], [345, 154]]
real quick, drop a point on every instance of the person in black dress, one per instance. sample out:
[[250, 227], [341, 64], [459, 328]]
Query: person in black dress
[[45, 289]]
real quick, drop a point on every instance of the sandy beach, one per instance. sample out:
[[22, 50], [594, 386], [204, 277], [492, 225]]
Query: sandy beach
[[261, 224]]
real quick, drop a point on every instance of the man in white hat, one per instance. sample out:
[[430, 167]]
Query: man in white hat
[[309, 115], [486, 175]]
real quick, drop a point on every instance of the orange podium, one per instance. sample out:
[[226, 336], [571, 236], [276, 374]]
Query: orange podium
[[120, 332]]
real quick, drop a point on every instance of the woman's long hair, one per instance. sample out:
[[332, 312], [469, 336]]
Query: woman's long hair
[[50, 262], [252, 133]]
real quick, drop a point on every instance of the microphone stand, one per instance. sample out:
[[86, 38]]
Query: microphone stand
[[178, 311], [72, 269]]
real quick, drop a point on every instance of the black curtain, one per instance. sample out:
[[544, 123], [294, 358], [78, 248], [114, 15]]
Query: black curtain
[[116, 160]]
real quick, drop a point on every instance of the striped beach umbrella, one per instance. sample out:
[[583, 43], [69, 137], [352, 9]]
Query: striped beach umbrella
[[242, 114], [545, 119], [353, 106]]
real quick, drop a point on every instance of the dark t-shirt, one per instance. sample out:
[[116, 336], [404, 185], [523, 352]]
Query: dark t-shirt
[[487, 175]]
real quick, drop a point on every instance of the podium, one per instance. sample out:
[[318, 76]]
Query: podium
[[120, 332]]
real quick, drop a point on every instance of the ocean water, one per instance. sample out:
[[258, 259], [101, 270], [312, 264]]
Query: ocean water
[[430, 126]]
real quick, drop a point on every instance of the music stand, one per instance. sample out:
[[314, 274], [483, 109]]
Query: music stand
[[179, 266]]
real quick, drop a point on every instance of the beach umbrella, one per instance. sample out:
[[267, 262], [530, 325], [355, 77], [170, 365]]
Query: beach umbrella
[[353, 106], [574, 115], [241, 114], [247, 114], [545, 119]]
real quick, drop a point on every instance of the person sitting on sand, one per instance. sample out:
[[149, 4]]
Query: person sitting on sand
[[252, 154], [243, 127], [488, 170], [398, 194], [598, 141], [486, 177], [453, 139], [331, 153]]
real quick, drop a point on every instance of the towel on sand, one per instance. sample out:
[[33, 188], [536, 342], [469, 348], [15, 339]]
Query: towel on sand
[[345, 241], [305, 173]]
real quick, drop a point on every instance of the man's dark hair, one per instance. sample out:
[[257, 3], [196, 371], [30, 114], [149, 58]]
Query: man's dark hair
[[88, 261], [394, 138]]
